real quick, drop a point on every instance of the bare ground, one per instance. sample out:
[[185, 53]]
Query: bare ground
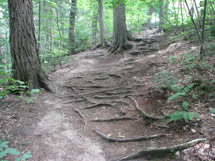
[[93, 92]]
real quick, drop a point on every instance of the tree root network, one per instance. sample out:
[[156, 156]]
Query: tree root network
[[159, 150]]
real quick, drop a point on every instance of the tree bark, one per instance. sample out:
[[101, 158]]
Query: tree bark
[[39, 29], [101, 22], [161, 15], [149, 23], [24, 53], [94, 24], [72, 27], [120, 34]]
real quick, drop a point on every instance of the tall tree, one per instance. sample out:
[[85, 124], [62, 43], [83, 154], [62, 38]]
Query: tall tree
[[39, 26], [101, 22], [161, 15], [149, 23], [94, 24], [25, 60], [72, 27], [120, 33]]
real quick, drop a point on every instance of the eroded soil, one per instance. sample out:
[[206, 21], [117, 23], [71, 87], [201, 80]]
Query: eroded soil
[[58, 127]]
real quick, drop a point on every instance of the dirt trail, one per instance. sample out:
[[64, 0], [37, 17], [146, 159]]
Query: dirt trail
[[59, 139], [93, 91]]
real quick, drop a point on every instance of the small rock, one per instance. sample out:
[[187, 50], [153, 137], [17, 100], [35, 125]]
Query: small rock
[[193, 130]]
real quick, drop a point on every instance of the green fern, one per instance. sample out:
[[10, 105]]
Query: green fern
[[186, 116], [182, 92]]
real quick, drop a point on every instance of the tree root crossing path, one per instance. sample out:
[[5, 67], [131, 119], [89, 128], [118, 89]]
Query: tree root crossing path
[[103, 109]]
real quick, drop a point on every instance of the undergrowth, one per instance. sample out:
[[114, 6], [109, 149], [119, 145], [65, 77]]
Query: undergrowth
[[10, 85], [192, 83], [5, 150]]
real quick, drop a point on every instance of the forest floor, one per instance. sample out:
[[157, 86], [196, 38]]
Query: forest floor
[[96, 98]]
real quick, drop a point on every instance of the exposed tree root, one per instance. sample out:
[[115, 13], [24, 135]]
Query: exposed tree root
[[157, 150], [79, 113], [106, 97], [115, 75], [99, 105], [114, 119], [82, 116], [103, 136], [107, 91], [143, 112], [84, 87], [102, 78], [121, 102]]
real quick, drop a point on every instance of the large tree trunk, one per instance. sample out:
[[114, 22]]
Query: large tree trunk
[[94, 24], [101, 22], [39, 27], [120, 34], [161, 15], [72, 27], [25, 60], [149, 23]]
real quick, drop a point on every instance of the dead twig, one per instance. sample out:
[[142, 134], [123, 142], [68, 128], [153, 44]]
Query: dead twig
[[114, 119], [154, 150], [143, 112], [141, 138]]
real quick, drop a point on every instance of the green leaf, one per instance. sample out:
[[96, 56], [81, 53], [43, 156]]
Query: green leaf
[[187, 116], [185, 105], [13, 151], [18, 159], [3, 154], [4, 144], [27, 155], [213, 111], [36, 91]]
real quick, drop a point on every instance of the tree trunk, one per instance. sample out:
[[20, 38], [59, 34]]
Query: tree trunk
[[149, 23], [166, 9], [161, 15], [101, 22], [24, 53], [94, 24], [120, 34], [39, 29], [72, 27]]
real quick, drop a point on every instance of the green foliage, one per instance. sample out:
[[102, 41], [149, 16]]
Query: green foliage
[[9, 84], [164, 78], [173, 59], [182, 92], [185, 105], [213, 111], [5, 149], [32, 93], [183, 115]]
